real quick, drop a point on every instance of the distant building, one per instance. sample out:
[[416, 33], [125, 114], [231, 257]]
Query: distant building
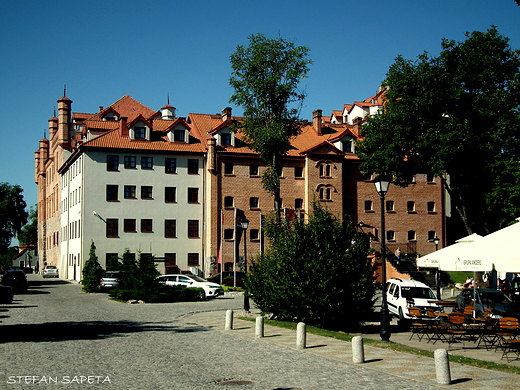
[[176, 188]]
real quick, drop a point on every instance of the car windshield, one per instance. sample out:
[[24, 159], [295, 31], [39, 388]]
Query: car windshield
[[492, 298], [51, 267], [112, 275], [417, 292]]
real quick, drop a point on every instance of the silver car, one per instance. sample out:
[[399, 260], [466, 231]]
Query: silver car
[[110, 279], [50, 271]]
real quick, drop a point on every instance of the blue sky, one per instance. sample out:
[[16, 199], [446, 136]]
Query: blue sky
[[103, 50]]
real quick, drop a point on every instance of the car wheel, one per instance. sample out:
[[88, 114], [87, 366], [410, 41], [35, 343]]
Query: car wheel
[[202, 294], [401, 315]]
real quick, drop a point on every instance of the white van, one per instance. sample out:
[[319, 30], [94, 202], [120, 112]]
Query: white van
[[402, 294]]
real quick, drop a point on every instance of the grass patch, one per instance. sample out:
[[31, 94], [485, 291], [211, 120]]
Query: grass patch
[[392, 346]]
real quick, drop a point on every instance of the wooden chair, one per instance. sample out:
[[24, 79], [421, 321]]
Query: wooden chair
[[507, 337], [436, 330], [418, 326], [457, 327]]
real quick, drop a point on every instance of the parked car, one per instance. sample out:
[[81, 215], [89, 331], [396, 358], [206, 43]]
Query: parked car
[[499, 303], [402, 294], [210, 290], [6, 294], [228, 278], [110, 279], [15, 278], [50, 271]]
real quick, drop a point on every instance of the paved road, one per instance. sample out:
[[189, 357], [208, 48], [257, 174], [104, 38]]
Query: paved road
[[57, 337]]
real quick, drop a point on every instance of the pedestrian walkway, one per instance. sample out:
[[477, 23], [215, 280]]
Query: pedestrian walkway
[[407, 366]]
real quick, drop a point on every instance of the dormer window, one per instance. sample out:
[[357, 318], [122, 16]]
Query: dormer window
[[179, 135], [225, 139], [139, 132], [346, 146]]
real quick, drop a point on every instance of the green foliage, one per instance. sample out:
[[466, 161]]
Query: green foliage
[[266, 75], [92, 272], [457, 116], [29, 233], [315, 272], [12, 214], [6, 259]]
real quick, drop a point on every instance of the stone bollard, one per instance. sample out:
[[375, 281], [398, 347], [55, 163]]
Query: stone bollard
[[301, 335], [442, 366], [229, 320], [452, 292], [259, 327], [358, 352]]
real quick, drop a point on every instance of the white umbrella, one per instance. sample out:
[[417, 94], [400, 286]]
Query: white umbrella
[[450, 257]]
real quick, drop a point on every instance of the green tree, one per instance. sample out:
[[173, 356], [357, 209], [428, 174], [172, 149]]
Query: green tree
[[12, 213], [315, 272], [456, 116], [92, 272], [29, 232], [265, 78]]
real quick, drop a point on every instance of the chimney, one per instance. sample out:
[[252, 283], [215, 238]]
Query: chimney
[[211, 154], [316, 120], [123, 126], [64, 110], [101, 108], [226, 114], [356, 126]]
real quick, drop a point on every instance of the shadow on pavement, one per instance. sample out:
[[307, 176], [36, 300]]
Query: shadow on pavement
[[60, 331], [47, 282]]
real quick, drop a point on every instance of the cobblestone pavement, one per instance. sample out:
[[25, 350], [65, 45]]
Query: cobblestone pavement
[[57, 337]]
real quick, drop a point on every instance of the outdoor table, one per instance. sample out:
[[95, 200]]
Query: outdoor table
[[444, 304]]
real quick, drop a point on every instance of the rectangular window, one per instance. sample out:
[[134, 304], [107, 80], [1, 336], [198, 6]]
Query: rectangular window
[[390, 205], [129, 225], [430, 178], [253, 203], [193, 195], [170, 194], [431, 207], [225, 139], [130, 192], [112, 227], [170, 228], [146, 162], [112, 163], [193, 259], [254, 234], [298, 171], [298, 204], [130, 162], [346, 146], [112, 190], [228, 234], [228, 201], [368, 205], [146, 192], [139, 132], [170, 165], [170, 263], [178, 135], [228, 168], [193, 228], [253, 170], [193, 166], [412, 235], [390, 235], [431, 235], [146, 226], [410, 206]]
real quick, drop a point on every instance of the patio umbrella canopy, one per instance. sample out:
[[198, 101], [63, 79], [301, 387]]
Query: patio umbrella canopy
[[449, 258], [497, 251]]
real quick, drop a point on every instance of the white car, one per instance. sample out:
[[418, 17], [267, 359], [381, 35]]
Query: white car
[[50, 271], [402, 294], [210, 290]]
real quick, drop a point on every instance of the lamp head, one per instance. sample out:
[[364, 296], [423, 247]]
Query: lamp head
[[382, 182]]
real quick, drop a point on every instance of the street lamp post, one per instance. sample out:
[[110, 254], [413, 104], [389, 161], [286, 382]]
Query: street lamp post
[[244, 224], [436, 242], [382, 183]]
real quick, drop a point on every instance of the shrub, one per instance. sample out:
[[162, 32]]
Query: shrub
[[315, 272], [92, 272]]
